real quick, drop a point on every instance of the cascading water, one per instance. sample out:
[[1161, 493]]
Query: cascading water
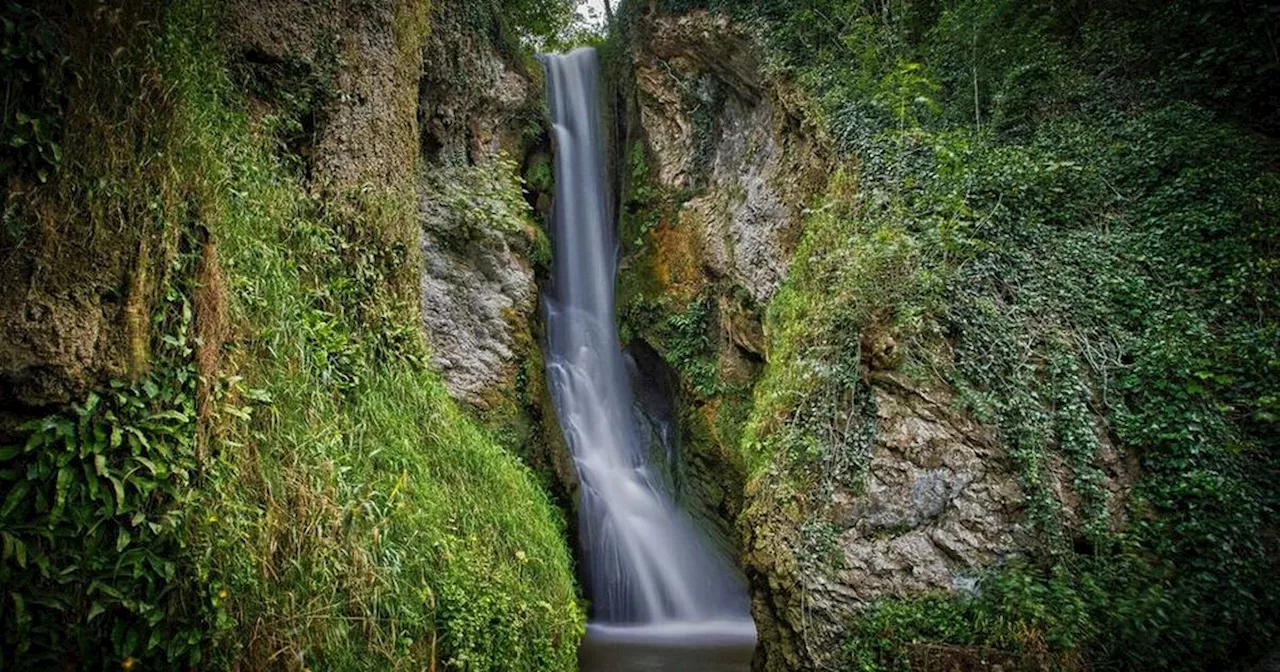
[[645, 561]]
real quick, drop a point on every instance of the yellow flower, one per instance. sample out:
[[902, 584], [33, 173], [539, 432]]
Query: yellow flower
[[213, 518], [129, 663], [222, 594]]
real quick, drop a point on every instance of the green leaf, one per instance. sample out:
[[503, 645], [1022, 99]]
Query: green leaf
[[15, 498], [100, 587], [19, 607], [123, 539], [151, 466], [170, 415], [60, 493], [90, 480], [37, 439], [118, 486], [141, 438]]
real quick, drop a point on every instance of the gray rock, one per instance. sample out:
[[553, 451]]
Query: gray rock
[[478, 288], [477, 297], [703, 101]]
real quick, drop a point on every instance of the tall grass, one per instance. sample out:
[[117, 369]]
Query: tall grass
[[338, 512], [359, 520]]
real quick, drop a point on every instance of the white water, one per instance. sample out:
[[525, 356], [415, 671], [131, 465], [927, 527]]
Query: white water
[[646, 564]]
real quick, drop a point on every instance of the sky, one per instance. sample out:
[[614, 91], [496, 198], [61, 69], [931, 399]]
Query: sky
[[587, 7]]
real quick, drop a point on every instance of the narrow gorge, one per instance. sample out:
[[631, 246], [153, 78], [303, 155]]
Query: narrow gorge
[[639, 335]]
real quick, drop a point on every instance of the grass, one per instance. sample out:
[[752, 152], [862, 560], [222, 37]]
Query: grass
[[334, 508], [1068, 216], [382, 524]]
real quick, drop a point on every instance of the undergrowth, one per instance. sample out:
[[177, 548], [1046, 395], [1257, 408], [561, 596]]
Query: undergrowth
[[329, 507], [1048, 216]]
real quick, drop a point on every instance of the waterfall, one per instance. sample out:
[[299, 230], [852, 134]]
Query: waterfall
[[645, 562]]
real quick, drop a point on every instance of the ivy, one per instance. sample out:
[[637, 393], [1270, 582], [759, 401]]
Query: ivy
[[1087, 258], [34, 60], [93, 520]]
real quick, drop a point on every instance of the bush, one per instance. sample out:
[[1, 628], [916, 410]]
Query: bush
[[289, 487], [1064, 238]]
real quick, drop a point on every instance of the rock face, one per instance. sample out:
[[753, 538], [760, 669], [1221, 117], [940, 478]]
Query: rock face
[[938, 503], [940, 498], [380, 103], [479, 291], [66, 327], [720, 161], [936, 500], [716, 127], [478, 298], [474, 101], [357, 61]]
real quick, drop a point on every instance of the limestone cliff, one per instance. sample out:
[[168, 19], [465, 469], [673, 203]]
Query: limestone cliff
[[479, 292], [230, 239], [720, 163], [715, 163], [483, 191]]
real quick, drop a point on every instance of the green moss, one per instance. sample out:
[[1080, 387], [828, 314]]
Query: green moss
[[850, 275], [539, 176], [382, 462], [643, 205], [331, 507], [1086, 257]]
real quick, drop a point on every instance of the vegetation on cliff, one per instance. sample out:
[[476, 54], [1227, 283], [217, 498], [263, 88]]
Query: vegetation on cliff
[[222, 446], [1067, 211], [273, 479]]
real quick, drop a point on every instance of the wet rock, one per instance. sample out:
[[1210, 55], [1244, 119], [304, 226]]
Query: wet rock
[[476, 299], [716, 126]]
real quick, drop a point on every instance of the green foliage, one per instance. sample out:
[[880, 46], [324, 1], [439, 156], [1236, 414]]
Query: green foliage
[[471, 199], [850, 274], [539, 19], [1018, 610], [1088, 256], [92, 523], [681, 334], [350, 516], [98, 498], [539, 175], [34, 60], [644, 205], [522, 25], [394, 550]]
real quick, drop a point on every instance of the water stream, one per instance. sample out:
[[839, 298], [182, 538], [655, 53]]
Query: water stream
[[663, 597]]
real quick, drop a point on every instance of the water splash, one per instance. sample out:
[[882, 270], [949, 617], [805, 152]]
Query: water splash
[[645, 561]]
